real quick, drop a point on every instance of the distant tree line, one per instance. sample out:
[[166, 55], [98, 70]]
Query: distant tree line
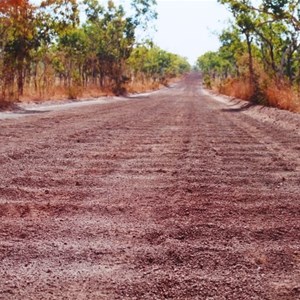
[[259, 57], [46, 45]]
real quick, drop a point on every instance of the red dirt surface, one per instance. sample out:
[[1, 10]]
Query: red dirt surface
[[169, 196]]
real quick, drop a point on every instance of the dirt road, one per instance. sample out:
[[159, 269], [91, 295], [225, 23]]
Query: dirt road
[[170, 196]]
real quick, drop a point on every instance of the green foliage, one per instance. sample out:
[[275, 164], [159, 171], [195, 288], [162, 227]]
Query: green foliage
[[261, 45], [157, 64], [144, 12], [214, 64], [44, 44], [25, 29]]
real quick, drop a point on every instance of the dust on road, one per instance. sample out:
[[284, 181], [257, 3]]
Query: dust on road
[[177, 196]]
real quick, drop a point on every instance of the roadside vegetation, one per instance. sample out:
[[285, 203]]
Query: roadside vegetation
[[259, 57], [58, 48]]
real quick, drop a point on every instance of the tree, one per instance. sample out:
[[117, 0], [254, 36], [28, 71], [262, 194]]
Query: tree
[[269, 34], [24, 28], [116, 36], [246, 21], [151, 63], [43, 46], [19, 37], [231, 50]]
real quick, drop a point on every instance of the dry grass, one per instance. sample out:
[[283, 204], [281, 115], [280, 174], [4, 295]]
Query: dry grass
[[282, 96], [63, 93], [279, 95], [241, 89], [95, 92], [146, 86], [140, 87], [60, 93]]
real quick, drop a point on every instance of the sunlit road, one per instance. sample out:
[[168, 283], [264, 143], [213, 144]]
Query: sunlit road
[[172, 195]]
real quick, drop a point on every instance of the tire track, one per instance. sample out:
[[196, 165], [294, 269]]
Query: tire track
[[176, 196]]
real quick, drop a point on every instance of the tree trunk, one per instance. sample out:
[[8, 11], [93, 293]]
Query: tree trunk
[[250, 60], [252, 76], [20, 78]]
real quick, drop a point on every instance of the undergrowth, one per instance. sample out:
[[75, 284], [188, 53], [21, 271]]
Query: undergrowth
[[275, 94], [80, 92]]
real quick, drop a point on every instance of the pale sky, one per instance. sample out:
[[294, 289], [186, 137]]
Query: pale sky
[[186, 27]]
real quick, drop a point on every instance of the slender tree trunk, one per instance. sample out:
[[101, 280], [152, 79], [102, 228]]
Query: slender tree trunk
[[252, 75], [250, 60], [35, 77], [20, 78]]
